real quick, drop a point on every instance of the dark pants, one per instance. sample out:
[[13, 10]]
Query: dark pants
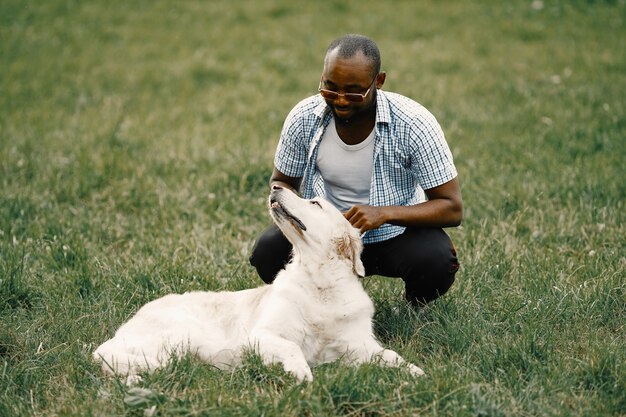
[[424, 258]]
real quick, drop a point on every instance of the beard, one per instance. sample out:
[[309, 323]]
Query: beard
[[350, 115]]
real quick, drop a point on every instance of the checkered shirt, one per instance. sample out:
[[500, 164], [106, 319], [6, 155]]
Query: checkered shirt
[[410, 153]]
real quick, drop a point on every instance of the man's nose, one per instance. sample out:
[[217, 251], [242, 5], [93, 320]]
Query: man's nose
[[342, 101]]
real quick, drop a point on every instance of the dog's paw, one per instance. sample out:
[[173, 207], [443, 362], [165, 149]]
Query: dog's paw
[[415, 370], [133, 380], [301, 372]]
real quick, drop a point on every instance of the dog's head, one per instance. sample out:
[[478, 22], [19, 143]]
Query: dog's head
[[316, 229]]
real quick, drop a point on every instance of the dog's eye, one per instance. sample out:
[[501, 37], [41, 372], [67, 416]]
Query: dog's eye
[[316, 203]]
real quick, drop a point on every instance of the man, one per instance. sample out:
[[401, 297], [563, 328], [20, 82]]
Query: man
[[383, 160]]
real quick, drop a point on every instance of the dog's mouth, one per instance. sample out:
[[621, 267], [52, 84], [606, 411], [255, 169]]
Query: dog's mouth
[[280, 211]]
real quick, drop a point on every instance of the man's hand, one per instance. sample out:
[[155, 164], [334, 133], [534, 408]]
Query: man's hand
[[365, 218]]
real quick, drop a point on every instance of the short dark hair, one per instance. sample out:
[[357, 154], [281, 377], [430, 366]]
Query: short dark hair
[[349, 45]]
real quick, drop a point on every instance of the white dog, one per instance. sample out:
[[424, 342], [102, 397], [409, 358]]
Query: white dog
[[316, 311]]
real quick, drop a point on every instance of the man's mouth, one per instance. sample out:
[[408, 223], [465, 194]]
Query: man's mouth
[[281, 212], [342, 110]]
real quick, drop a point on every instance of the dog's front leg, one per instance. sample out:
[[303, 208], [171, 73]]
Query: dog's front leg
[[372, 351], [273, 349]]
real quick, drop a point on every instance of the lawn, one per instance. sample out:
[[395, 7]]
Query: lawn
[[136, 144]]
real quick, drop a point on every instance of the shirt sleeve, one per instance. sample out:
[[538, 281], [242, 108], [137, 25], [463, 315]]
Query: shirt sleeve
[[433, 164], [291, 153]]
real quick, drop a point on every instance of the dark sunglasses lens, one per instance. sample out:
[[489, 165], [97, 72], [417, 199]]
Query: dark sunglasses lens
[[357, 98], [331, 95]]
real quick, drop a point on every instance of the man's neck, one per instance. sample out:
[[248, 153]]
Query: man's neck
[[356, 130]]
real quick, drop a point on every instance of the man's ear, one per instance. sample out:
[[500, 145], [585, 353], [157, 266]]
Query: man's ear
[[350, 247], [380, 79]]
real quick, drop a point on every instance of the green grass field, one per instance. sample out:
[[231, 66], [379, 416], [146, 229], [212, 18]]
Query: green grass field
[[136, 143]]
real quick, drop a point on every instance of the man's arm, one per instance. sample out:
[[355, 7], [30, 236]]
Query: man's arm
[[444, 208], [278, 178]]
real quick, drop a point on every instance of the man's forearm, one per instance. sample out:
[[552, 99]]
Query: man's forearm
[[432, 213]]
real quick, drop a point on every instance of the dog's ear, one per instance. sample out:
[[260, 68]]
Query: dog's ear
[[350, 246]]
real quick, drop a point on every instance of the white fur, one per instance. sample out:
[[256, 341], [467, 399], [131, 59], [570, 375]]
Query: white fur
[[316, 311]]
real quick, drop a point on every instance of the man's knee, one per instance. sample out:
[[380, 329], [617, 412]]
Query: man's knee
[[270, 254], [440, 261], [431, 272]]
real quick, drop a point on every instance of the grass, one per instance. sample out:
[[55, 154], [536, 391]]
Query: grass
[[136, 142]]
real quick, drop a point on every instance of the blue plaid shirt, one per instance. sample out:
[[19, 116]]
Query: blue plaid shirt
[[410, 153]]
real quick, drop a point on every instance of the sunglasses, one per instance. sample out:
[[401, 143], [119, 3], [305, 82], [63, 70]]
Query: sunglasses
[[353, 97]]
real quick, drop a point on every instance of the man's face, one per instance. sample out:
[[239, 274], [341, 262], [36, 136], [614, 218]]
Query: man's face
[[349, 75]]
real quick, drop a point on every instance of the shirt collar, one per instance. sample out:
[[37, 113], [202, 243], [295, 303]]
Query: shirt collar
[[383, 113]]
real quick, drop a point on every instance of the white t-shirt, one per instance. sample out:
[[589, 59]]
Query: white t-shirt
[[346, 169]]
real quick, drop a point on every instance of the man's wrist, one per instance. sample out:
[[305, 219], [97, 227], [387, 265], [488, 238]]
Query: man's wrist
[[385, 214]]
